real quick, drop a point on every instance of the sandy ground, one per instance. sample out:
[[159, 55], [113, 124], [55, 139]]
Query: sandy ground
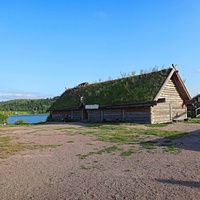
[[59, 173]]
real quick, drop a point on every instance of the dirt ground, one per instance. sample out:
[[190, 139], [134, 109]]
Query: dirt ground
[[57, 172]]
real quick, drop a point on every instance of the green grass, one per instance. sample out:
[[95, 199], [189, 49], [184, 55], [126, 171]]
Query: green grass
[[20, 122], [162, 133], [106, 150], [7, 148], [4, 141], [156, 125], [194, 120], [128, 152], [86, 168], [70, 141], [172, 149], [148, 145], [126, 135], [113, 134]]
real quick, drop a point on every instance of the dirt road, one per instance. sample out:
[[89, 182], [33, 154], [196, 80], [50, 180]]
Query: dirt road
[[54, 169]]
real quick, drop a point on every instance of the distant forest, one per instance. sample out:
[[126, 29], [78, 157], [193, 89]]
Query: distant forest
[[27, 105]]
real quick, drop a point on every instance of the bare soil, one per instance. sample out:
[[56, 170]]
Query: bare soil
[[57, 172]]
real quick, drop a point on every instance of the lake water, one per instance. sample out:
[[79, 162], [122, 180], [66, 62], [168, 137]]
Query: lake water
[[27, 118]]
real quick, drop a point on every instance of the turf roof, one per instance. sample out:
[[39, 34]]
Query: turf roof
[[133, 89]]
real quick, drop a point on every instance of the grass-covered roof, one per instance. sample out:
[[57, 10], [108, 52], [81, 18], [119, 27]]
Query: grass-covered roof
[[133, 89]]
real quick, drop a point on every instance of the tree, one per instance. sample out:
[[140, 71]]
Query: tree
[[3, 117]]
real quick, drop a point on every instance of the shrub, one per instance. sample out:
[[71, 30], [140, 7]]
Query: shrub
[[20, 122], [3, 117], [49, 118], [191, 113]]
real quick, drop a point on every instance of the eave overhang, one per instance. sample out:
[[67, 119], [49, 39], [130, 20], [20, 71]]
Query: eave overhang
[[126, 105]]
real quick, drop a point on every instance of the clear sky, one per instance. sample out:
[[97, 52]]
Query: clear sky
[[49, 45]]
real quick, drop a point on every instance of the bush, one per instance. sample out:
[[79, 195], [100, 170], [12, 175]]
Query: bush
[[3, 117], [49, 118], [20, 122], [191, 113]]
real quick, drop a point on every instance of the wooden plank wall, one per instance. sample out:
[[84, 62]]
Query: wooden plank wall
[[137, 115], [112, 115], [172, 109], [94, 115], [59, 115], [77, 115]]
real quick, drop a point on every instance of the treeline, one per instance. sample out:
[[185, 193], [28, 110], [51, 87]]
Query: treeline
[[27, 105]]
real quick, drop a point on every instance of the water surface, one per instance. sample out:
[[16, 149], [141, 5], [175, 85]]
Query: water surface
[[27, 118]]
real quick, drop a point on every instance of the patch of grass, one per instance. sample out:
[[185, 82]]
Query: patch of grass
[[194, 120], [148, 145], [20, 122], [83, 156], [172, 135], [89, 143], [128, 153], [172, 149], [70, 141], [156, 125], [122, 134], [32, 132], [106, 127], [53, 145], [65, 128], [106, 150], [7, 148], [4, 142], [40, 122], [84, 167]]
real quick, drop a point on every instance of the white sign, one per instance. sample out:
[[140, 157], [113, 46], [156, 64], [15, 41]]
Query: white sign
[[95, 106]]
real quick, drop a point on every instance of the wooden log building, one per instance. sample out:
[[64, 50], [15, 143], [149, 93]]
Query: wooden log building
[[194, 109], [156, 97]]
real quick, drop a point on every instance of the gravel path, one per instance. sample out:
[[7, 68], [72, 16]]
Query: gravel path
[[59, 173]]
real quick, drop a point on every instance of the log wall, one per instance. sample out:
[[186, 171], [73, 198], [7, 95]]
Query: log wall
[[59, 115], [172, 109], [76, 115], [112, 115], [137, 115], [94, 115]]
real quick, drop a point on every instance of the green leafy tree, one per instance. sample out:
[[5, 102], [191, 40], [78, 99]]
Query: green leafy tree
[[3, 117]]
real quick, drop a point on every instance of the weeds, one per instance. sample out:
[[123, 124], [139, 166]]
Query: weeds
[[156, 125], [106, 150], [194, 120], [122, 134], [129, 152], [171, 149], [7, 148], [148, 145], [70, 141]]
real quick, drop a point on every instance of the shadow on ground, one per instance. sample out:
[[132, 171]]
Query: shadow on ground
[[188, 141], [180, 182]]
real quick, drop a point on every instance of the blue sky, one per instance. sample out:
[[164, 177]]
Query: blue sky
[[49, 45]]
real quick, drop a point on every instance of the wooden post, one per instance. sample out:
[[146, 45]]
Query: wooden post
[[123, 114], [170, 111], [72, 114], [101, 113]]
